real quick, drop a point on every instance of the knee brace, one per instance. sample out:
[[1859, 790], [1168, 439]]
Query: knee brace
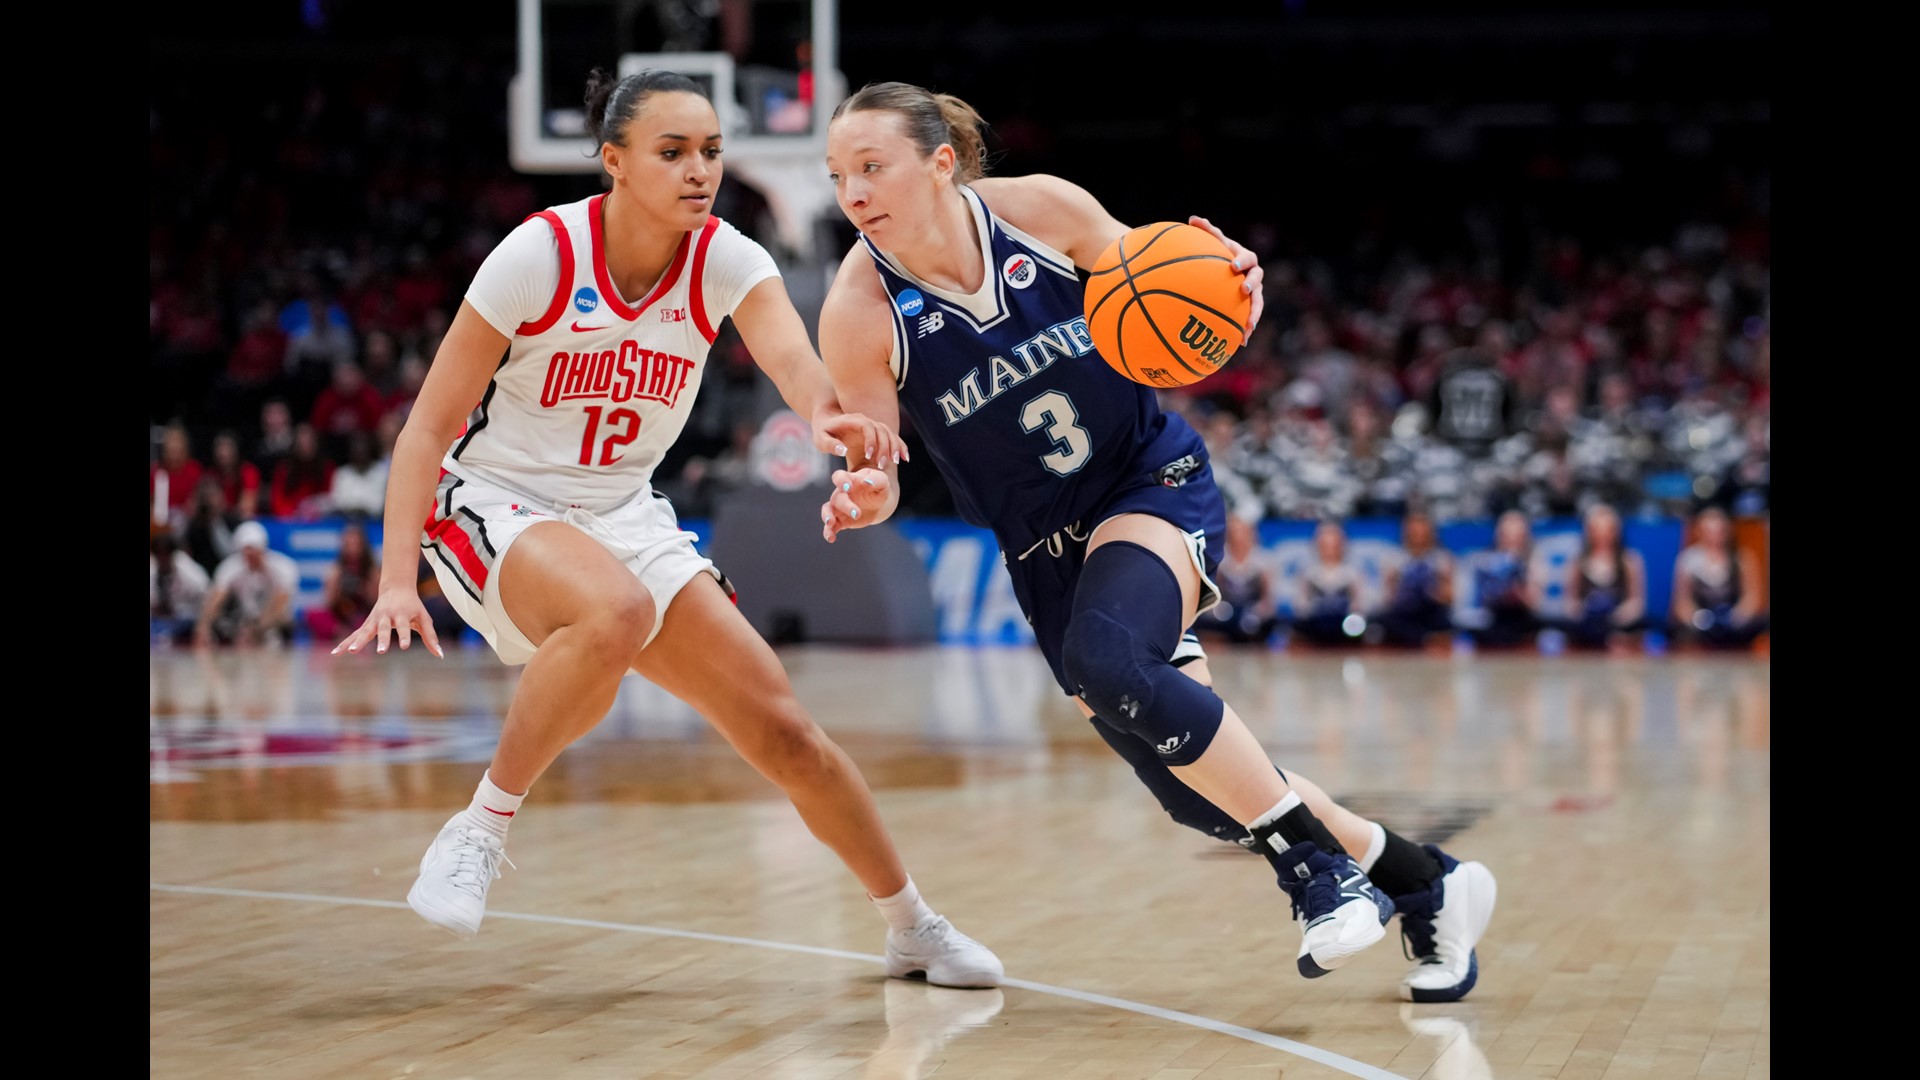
[[1119, 641]]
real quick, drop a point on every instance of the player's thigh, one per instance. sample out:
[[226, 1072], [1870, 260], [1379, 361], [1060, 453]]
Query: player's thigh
[[556, 575], [708, 655], [1167, 542]]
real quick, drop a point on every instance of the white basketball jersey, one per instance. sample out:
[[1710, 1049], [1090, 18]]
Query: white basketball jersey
[[596, 389]]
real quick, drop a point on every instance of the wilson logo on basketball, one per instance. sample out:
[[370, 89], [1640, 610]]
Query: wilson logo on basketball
[[1200, 337]]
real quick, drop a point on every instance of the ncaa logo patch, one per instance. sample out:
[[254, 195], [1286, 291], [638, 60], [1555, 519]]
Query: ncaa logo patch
[[586, 300], [910, 302], [1018, 270]]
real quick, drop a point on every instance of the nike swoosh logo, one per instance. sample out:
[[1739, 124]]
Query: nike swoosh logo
[[578, 329]]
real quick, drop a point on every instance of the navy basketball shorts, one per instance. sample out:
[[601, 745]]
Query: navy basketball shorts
[[1044, 578]]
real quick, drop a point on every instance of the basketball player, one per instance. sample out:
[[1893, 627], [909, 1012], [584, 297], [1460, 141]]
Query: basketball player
[[583, 338], [961, 304]]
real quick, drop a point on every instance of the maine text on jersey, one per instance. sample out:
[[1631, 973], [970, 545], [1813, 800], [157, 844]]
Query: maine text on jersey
[[615, 375], [1037, 353]]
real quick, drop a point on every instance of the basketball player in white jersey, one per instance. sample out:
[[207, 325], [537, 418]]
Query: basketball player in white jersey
[[543, 527]]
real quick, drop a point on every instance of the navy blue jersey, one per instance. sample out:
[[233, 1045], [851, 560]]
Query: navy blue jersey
[[1027, 423]]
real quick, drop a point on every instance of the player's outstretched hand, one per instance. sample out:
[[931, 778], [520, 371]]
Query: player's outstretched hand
[[856, 498], [398, 612], [1248, 264], [836, 433]]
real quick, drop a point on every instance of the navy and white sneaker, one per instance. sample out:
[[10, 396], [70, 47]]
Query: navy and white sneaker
[[1439, 927], [1340, 912]]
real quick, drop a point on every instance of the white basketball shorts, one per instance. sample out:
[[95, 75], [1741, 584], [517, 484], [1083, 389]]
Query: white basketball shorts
[[474, 523]]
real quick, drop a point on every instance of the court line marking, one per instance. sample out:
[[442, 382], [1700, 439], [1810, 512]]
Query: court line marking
[[1272, 1042]]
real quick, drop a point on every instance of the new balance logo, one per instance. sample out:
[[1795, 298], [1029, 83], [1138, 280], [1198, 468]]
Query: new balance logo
[[1170, 745], [931, 323]]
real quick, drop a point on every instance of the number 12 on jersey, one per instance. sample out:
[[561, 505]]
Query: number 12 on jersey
[[623, 426]]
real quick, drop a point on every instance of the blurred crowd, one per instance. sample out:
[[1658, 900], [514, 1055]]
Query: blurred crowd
[[1637, 379], [1505, 597], [310, 243]]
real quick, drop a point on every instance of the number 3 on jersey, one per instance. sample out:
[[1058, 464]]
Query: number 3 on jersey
[[616, 434], [1054, 411]]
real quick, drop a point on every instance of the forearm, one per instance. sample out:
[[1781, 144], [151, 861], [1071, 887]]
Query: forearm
[[410, 483], [803, 384]]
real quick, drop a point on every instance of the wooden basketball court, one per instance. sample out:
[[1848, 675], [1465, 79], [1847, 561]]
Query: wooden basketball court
[[669, 915]]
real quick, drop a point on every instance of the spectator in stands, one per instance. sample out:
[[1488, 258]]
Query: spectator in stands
[[351, 587], [251, 600], [176, 585], [1419, 586], [1249, 604], [359, 486], [303, 478], [239, 479], [1552, 487], [347, 405], [1507, 588], [1717, 587], [1606, 585], [413, 374], [319, 337], [1321, 480], [1380, 469], [172, 480], [380, 364], [276, 437], [1327, 610], [1335, 370], [205, 534], [255, 363]]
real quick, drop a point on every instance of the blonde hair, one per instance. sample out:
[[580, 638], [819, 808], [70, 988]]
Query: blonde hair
[[931, 119]]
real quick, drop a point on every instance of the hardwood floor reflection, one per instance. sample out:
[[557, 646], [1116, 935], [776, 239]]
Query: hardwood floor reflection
[[1623, 803]]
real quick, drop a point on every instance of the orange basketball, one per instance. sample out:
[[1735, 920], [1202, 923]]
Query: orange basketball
[[1165, 306]]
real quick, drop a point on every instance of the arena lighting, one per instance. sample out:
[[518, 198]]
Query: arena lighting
[[1354, 625]]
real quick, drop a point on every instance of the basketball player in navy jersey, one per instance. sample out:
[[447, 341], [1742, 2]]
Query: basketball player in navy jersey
[[961, 303]]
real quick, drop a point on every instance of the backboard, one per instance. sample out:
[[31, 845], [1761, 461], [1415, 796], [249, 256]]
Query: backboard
[[769, 66]]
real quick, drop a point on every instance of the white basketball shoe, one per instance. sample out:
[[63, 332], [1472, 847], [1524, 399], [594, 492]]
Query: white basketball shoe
[[934, 950], [1440, 926], [451, 891]]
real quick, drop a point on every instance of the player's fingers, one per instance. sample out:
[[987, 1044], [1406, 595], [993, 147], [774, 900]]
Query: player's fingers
[[380, 632], [1257, 287], [427, 635], [357, 638], [845, 506]]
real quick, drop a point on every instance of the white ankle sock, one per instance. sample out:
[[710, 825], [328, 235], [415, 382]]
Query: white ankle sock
[[903, 910], [492, 809], [1375, 847], [1292, 800]]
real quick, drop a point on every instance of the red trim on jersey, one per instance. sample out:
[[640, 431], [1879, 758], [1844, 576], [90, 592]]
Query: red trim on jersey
[[697, 301], [461, 545], [559, 305], [612, 298]]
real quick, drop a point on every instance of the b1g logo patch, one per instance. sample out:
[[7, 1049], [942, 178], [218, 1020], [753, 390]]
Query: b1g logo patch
[[587, 300], [910, 302], [1018, 270]]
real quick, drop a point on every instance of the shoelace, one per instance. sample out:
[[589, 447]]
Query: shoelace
[[1416, 938], [1318, 895], [477, 862], [940, 929]]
